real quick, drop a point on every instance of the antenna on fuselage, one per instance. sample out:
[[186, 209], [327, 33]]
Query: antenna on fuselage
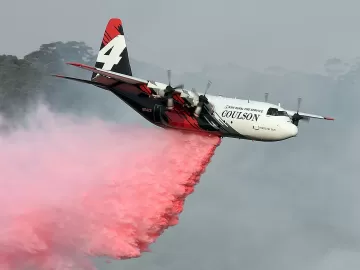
[[266, 97]]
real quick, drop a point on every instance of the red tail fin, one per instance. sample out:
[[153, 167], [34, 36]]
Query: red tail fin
[[113, 54]]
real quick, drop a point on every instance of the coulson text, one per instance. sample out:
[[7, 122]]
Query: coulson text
[[241, 115]]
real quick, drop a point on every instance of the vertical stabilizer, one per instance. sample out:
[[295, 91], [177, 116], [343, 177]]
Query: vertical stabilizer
[[113, 54]]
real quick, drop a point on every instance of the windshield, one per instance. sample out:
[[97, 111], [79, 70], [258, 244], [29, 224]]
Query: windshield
[[282, 113], [272, 111], [276, 112]]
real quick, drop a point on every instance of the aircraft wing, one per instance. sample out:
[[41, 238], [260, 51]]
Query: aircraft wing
[[308, 116]]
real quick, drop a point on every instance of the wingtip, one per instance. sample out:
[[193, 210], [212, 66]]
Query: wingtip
[[329, 118]]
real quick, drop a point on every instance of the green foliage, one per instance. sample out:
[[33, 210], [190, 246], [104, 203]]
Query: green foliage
[[24, 81], [19, 85]]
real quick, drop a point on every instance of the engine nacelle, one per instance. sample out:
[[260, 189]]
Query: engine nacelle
[[198, 110], [170, 103]]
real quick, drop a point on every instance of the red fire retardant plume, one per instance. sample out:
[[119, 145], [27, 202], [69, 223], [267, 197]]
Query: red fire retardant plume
[[72, 188]]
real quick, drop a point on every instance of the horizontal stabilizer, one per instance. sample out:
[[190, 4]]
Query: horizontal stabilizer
[[77, 79], [116, 76], [108, 79]]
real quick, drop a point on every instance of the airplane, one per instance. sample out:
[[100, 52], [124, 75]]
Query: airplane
[[173, 107]]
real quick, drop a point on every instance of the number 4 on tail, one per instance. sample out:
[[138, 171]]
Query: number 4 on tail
[[116, 47]]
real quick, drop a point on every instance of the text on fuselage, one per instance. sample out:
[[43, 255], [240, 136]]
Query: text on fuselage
[[243, 109], [241, 115]]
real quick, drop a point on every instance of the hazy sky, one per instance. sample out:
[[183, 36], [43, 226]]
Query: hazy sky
[[187, 34], [274, 206]]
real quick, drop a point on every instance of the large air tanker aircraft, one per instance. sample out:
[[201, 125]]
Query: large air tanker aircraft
[[174, 107]]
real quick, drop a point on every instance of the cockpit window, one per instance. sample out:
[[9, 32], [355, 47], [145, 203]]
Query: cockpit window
[[282, 113], [276, 112], [272, 111]]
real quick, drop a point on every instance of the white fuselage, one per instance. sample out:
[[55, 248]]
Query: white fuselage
[[250, 118], [247, 117]]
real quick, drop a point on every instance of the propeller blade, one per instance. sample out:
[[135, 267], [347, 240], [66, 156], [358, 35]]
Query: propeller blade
[[299, 103], [207, 86], [180, 86], [195, 93], [305, 119], [169, 76]]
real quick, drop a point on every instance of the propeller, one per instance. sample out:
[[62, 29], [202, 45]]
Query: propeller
[[202, 99], [297, 117], [169, 91]]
